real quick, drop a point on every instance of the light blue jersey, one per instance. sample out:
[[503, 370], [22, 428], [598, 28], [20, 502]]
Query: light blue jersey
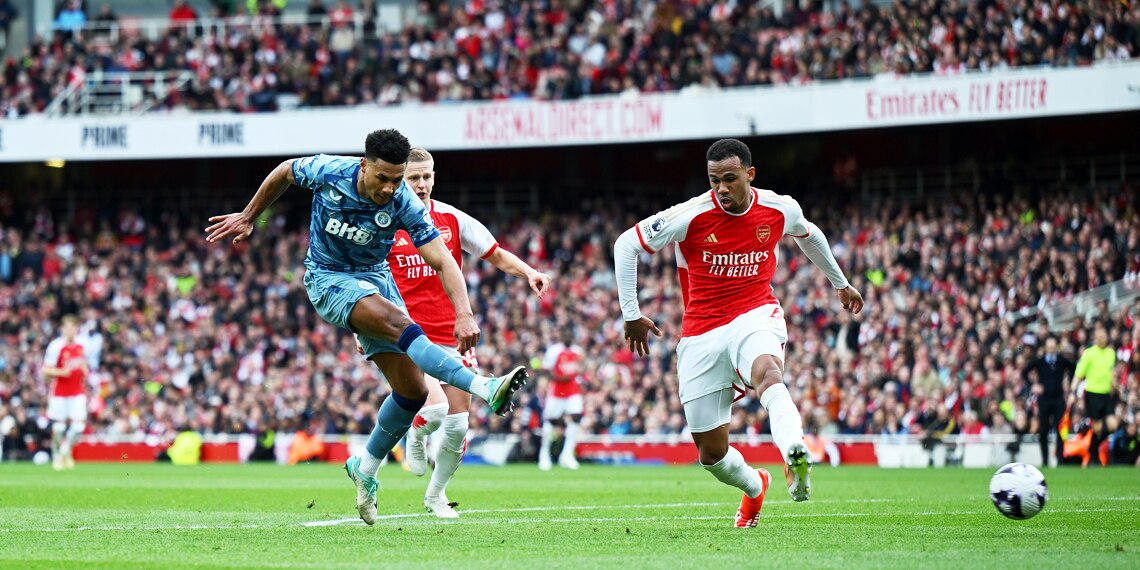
[[349, 240], [349, 232]]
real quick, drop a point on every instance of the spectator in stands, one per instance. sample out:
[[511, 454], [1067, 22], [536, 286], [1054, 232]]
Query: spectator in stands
[[530, 49], [182, 13], [8, 14], [71, 17], [106, 18]]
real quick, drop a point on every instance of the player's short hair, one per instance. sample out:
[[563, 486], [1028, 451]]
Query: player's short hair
[[69, 319], [728, 148], [387, 145], [420, 155]]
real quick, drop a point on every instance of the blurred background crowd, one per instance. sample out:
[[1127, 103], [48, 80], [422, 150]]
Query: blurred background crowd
[[222, 338], [241, 57]]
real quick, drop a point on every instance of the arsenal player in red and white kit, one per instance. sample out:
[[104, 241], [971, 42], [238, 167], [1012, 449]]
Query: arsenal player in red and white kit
[[66, 364], [734, 332], [428, 305], [563, 404]]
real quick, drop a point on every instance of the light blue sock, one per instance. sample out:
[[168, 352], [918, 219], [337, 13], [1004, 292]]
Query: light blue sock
[[434, 360], [392, 422]]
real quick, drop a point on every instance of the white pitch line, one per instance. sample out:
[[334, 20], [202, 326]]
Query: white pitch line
[[425, 519]]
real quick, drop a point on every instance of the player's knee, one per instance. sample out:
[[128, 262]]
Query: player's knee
[[711, 452], [58, 427], [455, 432], [767, 378], [77, 428]]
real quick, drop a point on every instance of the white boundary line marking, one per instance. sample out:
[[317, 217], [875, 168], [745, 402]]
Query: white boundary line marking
[[423, 519]]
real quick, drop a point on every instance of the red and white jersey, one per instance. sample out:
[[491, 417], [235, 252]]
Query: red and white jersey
[[423, 292], [61, 354], [725, 261], [565, 366]]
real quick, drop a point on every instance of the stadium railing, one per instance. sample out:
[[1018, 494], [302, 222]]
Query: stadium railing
[[117, 92]]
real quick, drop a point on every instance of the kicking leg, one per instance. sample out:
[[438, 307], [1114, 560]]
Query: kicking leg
[[378, 317], [787, 426]]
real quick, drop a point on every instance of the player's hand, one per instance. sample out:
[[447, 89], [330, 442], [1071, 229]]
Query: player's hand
[[234, 225], [851, 299], [539, 283], [637, 333], [466, 333]]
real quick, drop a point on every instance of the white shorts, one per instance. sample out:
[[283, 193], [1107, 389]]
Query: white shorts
[[469, 360], [557, 407], [721, 358], [72, 408]]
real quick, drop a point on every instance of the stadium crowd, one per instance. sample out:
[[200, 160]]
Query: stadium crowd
[[555, 49], [222, 339]]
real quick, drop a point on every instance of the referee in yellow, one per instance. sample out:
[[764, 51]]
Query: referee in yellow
[[1095, 367]]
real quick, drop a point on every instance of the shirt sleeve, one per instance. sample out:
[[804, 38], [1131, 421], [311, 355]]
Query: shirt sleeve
[[795, 224], [415, 219], [51, 356], [474, 237], [1083, 365], [663, 228], [310, 171]]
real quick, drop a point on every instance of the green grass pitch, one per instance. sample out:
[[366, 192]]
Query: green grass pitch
[[268, 516]]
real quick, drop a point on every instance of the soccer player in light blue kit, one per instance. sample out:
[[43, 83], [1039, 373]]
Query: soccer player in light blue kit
[[358, 205]]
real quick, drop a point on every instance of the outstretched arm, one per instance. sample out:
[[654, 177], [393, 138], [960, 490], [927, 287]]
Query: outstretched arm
[[814, 245], [437, 256], [240, 224], [510, 264], [637, 327]]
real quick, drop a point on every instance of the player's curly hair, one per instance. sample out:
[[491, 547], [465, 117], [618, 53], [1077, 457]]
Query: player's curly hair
[[387, 145], [727, 148]]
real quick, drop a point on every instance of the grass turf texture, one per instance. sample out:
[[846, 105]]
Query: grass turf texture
[[250, 516]]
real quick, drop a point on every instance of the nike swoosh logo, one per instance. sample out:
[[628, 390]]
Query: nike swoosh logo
[[334, 195]]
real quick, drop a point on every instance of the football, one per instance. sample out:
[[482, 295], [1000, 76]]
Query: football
[[1018, 491]]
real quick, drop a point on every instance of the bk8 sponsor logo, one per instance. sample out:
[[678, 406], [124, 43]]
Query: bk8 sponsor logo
[[357, 235]]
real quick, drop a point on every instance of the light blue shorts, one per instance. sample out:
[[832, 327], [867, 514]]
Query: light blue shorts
[[334, 294]]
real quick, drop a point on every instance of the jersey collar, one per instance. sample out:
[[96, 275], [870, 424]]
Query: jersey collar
[[746, 210]]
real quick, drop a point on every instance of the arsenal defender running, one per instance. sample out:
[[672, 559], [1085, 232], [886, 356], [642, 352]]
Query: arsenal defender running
[[733, 333], [65, 363], [446, 406]]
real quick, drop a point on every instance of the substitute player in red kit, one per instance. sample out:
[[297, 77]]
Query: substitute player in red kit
[[427, 304], [733, 333], [66, 364], [563, 405]]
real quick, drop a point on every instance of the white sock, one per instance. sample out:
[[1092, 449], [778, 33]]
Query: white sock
[[783, 417], [479, 387], [732, 470], [432, 417], [75, 430], [571, 441], [57, 431], [547, 435], [450, 453], [369, 464]]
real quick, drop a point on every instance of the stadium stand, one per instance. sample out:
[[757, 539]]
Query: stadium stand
[[191, 336], [252, 59]]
